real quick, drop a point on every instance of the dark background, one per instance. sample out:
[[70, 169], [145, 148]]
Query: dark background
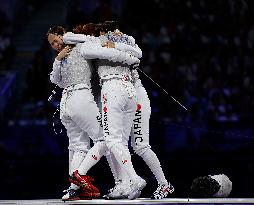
[[200, 51]]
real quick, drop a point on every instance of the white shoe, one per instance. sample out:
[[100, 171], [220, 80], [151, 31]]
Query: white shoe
[[66, 196], [116, 184], [71, 195], [136, 188], [162, 191], [120, 191]]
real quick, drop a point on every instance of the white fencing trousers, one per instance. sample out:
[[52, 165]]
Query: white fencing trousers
[[139, 132], [118, 109], [140, 127], [140, 136], [119, 105], [81, 118]]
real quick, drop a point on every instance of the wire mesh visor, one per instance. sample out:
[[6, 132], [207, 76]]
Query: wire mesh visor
[[211, 186], [225, 185]]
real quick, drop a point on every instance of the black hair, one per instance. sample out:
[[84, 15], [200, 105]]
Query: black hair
[[57, 30], [107, 26], [87, 29], [204, 186]]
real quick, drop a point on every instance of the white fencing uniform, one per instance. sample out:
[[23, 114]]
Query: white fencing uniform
[[92, 50], [140, 132], [73, 74], [140, 127], [119, 105]]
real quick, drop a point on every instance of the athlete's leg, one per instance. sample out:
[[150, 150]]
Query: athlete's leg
[[79, 144], [140, 142], [85, 113], [116, 104]]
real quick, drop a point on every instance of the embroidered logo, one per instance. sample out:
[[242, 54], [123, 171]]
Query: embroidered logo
[[105, 120], [99, 119], [165, 189], [124, 161], [138, 107], [104, 99], [105, 116], [126, 78], [137, 125], [93, 156]]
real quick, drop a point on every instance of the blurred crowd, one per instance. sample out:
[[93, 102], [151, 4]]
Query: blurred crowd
[[13, 16], [199, 51], [5, 40]]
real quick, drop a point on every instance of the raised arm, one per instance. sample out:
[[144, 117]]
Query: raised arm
[[72, 38], [55, 75], [93, 50]]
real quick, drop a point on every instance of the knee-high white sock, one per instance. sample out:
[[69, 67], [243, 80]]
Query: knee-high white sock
[[92, 157], [123, 158], [153, 163], [77, 159], [124, 176], [118, 173], [71, 153], [114, 167]]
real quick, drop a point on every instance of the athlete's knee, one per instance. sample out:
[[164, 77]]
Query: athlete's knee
[[101, 147], [111, 143], [82, 149], [78, 151]]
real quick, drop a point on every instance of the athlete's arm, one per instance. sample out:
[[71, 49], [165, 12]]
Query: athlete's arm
[[55, 75], [133, 50], [72, 38], [125, 43], [93, 50]]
